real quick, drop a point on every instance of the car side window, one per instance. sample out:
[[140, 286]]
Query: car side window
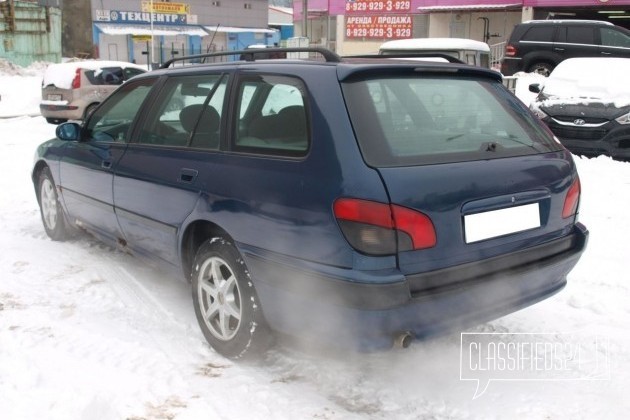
[[580, 35], [539, 34], [112, 120], [272, 116], [186, 113], [614, 38]]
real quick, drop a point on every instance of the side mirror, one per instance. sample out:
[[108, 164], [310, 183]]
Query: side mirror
[[68, 131], [534, 88]]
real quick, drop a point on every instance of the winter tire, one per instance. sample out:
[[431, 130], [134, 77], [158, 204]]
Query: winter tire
[[226, 303]]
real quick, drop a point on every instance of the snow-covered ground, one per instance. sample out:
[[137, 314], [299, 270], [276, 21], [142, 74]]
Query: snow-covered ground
[[87, 332]]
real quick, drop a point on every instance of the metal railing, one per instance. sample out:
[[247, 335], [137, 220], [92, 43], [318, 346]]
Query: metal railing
[[497, 51]]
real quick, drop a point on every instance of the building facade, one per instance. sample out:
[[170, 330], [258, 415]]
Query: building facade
[[154, 31], [361, 26]]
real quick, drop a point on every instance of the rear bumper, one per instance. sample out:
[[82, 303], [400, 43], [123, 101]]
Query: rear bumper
[[369, 314], [67, 112], [509, 66]]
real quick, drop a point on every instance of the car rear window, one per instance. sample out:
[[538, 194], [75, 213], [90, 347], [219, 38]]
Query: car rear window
[[411, 120]]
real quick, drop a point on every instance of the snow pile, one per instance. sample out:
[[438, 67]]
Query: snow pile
[[20, 88]]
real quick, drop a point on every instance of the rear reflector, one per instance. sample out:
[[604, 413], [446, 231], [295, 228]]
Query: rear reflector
[[572, 199], [383, 229]]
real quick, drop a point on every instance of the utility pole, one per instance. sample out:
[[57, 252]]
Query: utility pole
[[304, 18]]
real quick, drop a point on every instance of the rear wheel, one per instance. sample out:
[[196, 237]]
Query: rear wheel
[[50, 208], [542, 68], [226, 303]]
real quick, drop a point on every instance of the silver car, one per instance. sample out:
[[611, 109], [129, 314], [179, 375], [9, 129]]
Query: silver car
[[72, 90]]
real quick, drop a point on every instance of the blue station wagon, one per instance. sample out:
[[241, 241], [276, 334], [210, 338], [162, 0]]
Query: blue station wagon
[[360, 201]]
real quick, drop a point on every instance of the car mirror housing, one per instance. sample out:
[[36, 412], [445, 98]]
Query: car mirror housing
[[68, 131], [534, 88]]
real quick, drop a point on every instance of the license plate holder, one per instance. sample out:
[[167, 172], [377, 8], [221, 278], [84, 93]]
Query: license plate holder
[[495, 223]]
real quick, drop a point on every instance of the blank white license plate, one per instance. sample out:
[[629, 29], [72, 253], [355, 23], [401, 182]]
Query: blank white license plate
[[501, 222], [54, 97]]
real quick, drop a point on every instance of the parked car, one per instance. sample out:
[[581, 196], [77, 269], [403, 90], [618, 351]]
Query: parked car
[[589, 114], [364, 202], [538, 46], [72, 90], [469, 51]]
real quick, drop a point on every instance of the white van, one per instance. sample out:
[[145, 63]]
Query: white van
[[467, 50]]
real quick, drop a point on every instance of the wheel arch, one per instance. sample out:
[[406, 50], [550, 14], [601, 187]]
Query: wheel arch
[[195, 234], [540, 57], [37, 170]]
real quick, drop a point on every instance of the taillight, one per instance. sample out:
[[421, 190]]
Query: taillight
[[76, 82], [383, 229], [510, 50], [572, 199]]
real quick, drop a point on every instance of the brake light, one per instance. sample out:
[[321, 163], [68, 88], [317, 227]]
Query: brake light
[[383, 229], [510, 50], [572, 199], [76, 82]]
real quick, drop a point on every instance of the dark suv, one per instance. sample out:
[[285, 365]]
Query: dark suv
[[362, 201], [538, 46]]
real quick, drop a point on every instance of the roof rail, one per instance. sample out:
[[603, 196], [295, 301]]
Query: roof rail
[[447, 57], [250, 54]]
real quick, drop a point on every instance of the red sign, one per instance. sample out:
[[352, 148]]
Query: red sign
[[390, 27], [378, 6]]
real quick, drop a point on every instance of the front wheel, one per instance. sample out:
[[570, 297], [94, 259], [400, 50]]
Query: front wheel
[[226, 303], [50, 207]]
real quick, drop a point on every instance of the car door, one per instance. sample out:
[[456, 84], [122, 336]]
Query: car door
[[614, 43], [576, 41], [156, 181], [86, 170]]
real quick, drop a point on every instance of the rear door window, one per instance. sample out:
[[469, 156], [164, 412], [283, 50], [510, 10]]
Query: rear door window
[[272, 116], [414, 120], [539, 34]]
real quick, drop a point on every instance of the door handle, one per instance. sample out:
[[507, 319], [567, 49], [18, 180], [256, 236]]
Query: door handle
[[606, 53], [106, 164], [558, 49], [188, 175]]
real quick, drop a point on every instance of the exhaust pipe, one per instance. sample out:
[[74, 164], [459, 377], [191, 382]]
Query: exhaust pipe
[[403, 340]]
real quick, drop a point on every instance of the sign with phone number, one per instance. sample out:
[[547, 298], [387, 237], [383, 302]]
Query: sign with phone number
[[362, 6], [390, 27]]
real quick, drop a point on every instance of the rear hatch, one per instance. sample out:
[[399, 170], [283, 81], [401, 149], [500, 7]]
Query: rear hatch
[[463, 151]]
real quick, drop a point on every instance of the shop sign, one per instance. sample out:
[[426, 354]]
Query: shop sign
[[163, 7], [382, 27], [141, 38], [124, 16], [378, 6]]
